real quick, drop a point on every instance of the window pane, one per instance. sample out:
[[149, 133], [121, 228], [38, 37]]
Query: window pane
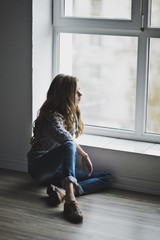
[[98, 8], [106, 68], [153, 107], [155, 13]]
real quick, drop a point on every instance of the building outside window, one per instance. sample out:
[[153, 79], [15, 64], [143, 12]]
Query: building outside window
[[113, 47]]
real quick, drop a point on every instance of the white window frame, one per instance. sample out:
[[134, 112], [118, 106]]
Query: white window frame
[[134, 27]]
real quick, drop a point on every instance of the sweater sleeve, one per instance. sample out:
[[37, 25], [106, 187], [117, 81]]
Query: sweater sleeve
[[57, 130]]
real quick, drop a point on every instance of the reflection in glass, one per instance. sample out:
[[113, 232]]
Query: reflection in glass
[[107, 74], [113, 9], [153, 106]]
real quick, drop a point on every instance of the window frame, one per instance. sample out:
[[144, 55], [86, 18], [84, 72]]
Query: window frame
[[138, 27]]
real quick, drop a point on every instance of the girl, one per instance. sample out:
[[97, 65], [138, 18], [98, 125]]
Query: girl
[[52, 157]]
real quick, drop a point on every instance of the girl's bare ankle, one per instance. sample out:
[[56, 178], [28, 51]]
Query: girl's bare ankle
[[69, 188], [70, 198]]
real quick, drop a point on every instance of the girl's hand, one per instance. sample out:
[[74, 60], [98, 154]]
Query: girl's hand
[[86, 163]]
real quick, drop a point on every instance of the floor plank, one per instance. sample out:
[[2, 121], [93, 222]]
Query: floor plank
[[25, 213]]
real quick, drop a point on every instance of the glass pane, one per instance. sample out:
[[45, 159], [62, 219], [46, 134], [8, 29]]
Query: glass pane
[[155, 13], [98, 8], [153, 107], [106, 68]]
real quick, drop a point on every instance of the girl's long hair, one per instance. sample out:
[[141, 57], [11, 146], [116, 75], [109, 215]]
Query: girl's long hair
[[61, 100]]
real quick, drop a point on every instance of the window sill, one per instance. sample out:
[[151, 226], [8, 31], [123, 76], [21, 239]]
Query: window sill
[[119, 144]]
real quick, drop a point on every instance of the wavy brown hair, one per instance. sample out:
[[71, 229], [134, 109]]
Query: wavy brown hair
[[60, 99]]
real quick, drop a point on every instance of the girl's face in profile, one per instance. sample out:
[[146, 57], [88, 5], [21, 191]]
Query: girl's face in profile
[[78, 96]]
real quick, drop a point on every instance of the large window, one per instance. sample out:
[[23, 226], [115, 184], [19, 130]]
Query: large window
[[113, 47]]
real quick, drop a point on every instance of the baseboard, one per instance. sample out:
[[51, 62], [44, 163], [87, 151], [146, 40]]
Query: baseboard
[[137, 185], [121, 182], [13, 163]]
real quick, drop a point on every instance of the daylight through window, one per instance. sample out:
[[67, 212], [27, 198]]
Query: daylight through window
[[113, 48]]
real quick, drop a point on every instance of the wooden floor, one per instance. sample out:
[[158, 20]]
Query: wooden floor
[[26, 214]]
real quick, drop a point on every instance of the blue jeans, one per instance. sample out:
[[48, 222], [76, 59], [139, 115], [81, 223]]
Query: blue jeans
[[58, 167]]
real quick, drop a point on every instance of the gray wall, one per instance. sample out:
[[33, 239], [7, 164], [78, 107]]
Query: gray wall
[[25, 71], [131, 171], [15, 81]]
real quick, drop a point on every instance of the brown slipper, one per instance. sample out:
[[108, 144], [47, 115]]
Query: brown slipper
[[72, 212], [55, 195]]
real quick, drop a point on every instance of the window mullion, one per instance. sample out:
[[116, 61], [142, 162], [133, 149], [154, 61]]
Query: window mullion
[[136, 15], [141, 88], [56, 52]]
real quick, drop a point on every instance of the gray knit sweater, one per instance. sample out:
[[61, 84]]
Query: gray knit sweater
[[52, 136]]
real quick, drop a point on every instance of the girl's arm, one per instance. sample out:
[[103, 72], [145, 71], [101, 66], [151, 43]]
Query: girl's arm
[[86, 162], [57, 130]]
